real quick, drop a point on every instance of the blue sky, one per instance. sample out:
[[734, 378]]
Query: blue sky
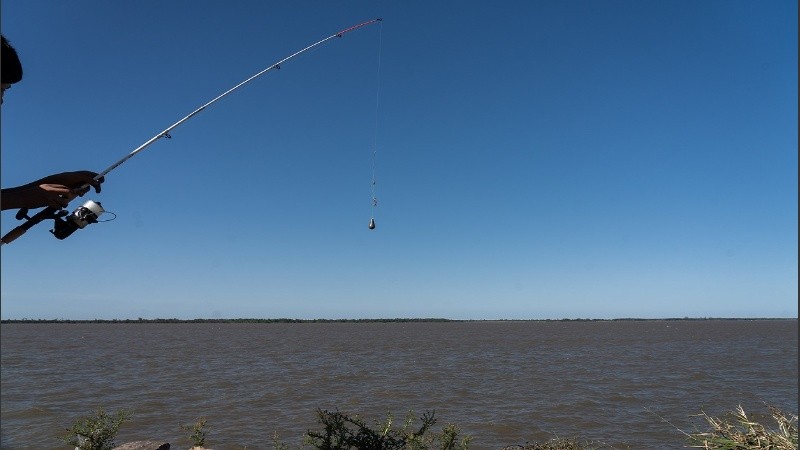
[[535, 159]]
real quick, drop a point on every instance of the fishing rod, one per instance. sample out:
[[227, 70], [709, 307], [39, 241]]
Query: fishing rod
[[89, 212]]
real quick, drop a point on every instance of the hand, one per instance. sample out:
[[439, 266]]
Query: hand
[[60, 189], [77, 183], [53, 191]]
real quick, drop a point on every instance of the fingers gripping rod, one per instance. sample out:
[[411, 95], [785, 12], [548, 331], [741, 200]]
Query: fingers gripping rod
[[51, 212]]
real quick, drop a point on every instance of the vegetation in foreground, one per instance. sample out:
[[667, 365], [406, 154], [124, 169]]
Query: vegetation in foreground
[[197, 432], [343, 432], [95, 432], [739, 432], [736, 431]]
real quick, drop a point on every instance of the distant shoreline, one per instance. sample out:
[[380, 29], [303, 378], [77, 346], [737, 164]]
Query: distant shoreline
[[395, 320]]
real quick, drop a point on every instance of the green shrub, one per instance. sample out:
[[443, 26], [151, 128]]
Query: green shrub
[[342, 432], [95, 432], [197, 432]]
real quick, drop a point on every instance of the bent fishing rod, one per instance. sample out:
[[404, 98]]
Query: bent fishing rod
[[65, 224]]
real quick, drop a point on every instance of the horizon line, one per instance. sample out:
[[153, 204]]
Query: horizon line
[[395, 319]]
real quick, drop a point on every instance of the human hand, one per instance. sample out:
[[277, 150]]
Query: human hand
[[78, 182], [52, 191], [60, 189]]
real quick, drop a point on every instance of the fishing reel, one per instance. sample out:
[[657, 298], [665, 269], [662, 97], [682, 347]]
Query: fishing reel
[[64, 224], [85, 214]]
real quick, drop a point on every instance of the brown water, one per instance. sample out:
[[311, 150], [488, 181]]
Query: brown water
[[503, 383]]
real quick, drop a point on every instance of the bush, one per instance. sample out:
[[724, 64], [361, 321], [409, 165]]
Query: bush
[[342, 432], [95, 432], [738, 432], [197, 432]]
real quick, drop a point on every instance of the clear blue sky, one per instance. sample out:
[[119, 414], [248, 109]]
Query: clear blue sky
[[535, 159]]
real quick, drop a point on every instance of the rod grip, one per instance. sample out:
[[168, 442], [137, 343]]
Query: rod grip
[[47, 213], [12, 235]]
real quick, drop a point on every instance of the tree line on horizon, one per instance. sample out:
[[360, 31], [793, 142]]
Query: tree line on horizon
[[373, 320]]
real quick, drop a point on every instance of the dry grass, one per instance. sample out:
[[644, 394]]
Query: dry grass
[[738, 432]]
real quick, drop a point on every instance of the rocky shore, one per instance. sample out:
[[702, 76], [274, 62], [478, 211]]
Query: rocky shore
[[146, 445]]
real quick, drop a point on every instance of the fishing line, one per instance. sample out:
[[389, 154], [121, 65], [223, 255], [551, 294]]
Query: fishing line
[[373, 184]]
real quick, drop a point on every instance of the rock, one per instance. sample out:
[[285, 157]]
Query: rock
[[143, 445]]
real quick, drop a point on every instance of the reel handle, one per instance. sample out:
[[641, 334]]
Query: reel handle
[[22, 214]]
